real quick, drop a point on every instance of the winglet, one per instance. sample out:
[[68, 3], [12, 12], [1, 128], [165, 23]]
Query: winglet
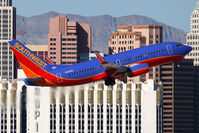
[[100, 58]]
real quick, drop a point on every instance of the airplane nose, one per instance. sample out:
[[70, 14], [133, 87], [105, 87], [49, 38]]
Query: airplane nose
[[187, 49]]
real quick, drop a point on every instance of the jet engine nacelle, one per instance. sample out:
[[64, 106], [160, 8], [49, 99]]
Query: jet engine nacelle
[[138, 69]]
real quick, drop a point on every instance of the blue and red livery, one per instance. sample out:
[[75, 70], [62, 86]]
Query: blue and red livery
[[129, 63]]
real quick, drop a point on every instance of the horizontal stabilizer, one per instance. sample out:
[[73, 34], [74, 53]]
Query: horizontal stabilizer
[[34, 81]]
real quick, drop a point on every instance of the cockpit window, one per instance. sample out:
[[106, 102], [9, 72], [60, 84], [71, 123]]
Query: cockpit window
[[179, 45]]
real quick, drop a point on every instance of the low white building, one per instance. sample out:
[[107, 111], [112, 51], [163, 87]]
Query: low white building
[[91, 108], [10, 109]]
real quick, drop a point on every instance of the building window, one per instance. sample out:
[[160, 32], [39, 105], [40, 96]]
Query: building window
[[109, 111], [71, 118], [90, 118], [62, 118], [119, 118], [52, 39], [52, 118]]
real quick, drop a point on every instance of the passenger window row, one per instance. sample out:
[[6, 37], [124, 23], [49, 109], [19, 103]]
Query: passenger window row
[[82, 71], [140, 56], [179, 45], [124, 60], [152, 53]]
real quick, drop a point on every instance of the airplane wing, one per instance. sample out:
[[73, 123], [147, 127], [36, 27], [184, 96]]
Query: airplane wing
[[108, 65], [131, 71]]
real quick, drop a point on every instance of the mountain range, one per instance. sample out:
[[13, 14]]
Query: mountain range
[[37, 28]]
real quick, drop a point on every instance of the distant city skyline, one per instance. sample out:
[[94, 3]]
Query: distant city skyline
[[175, 13]]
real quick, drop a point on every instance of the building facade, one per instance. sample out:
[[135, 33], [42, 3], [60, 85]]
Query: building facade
[[131, 37], [95, 108], [7, 32], [67, 40], [90, 108], [196, 98], [178, 97], [192, 38], [10, 113]]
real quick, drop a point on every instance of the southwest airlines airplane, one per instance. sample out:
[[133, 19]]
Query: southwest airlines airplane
[[130, 63]]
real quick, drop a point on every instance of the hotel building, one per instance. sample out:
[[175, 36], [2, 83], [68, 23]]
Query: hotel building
[[91, 108], [131, 37], [68, 40], [7, 32]]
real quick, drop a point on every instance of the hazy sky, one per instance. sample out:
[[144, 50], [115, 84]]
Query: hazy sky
[[172, 12]]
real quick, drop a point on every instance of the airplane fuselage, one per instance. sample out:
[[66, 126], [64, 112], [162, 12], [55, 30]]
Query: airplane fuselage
[[125, 64], [91, 71]]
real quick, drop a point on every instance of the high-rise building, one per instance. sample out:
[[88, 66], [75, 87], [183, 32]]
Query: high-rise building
[[67, 40], [131, 37], [7, 32], [196, 98], [178, 97], [93, 108], [192, 38]]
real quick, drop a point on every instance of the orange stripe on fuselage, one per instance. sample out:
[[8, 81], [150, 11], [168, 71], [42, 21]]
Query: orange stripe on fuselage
[[28, 72], [46, 83]]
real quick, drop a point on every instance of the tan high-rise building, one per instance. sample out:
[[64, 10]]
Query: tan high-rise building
[[68, 40], [178, 97], [7, 32], [131, 37]]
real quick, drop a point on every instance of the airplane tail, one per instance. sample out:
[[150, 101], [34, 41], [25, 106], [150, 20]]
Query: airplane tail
[[32, 65]]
